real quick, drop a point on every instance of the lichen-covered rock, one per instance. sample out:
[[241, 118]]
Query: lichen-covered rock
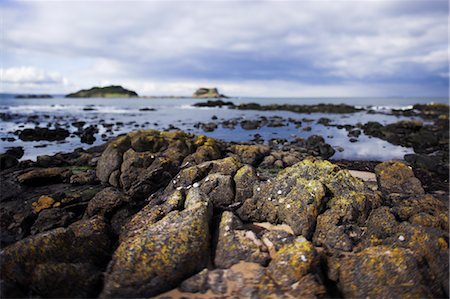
[[244, 180], [106, 202], [160, 256], [152, 213], [381, 272], [134, 163], [77, 280], [251, 154], [85, 242], [219, 188], [235, 244], [111, 159], [396, 177], [293, 261], [423, 210], [44, 176]]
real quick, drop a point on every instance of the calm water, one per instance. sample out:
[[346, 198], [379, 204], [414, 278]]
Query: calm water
[[180, 113]]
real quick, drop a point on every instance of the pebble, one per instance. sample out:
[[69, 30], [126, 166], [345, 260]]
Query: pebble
[[288, 206], [196, 185], [279, 192], [401, 238], [303, 258]]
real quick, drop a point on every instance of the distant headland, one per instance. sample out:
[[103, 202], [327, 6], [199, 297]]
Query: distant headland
[[113, 91]]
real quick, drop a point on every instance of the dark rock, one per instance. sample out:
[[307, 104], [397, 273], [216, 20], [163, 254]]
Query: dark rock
[[250, 124], [106, 202], [52, 218], [395, 269], [396, 177], [251, 154], [43, 176], [216, 103], [103, 92], [38, 134]]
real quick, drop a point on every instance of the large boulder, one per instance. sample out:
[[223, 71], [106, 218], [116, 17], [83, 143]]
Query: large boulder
[[158, 257], [381, 272], [74, 256], [396, 177]]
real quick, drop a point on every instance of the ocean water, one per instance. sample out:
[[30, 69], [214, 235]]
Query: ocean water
[[125, 115]]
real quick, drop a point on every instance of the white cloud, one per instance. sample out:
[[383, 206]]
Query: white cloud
[[161, 42], [29, 74]]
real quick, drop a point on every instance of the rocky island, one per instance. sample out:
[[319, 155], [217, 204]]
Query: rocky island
[[172, 214], [207, 93], [112, 91]]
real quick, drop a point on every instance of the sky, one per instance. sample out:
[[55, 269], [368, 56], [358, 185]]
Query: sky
[[245, 48]]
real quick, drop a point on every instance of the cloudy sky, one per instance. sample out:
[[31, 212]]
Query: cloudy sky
[[246, 48]]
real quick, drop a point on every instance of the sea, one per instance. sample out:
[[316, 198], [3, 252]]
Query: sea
[[125, 114]]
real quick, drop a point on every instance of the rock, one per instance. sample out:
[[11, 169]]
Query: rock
[[319, 108], [84, 178], [51, 218], [396, 177], [78, 280], [294, 261], [381, 271], [209, 127], [106, 202], [7, 161], [111, 158], [423, 210], [160, 256], [288, 198], [207, 93], [215, 103], [244, 180], [250, 124], [73, 255], [38, 134], [103, 92], [219, 188], [44, 176], [235, 244], [251, 154]]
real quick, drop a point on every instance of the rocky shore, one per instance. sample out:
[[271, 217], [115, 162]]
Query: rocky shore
[[172, 214]]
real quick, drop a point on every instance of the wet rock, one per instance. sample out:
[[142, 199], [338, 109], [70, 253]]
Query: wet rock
[[319, 108], [44, 176], [235, 244], [154, 260], [250, 124], [381, 271], [215, 103], [251, 154], [396, 177], [38, 134], [209, 127]]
